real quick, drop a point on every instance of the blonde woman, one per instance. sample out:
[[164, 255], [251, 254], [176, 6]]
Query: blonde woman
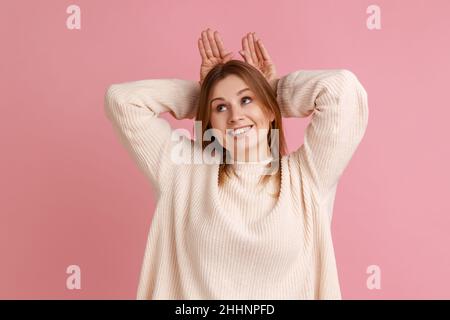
[[232, 229]]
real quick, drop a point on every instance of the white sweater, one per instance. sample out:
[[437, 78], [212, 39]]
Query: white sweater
[[231, 242]]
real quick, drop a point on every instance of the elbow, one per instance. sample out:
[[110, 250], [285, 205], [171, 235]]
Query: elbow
[[110, 95], [348, 80], [339, 84], [359, 94], [344, 83], [355, 86], [111, 99], [351, 82], [346, 86]]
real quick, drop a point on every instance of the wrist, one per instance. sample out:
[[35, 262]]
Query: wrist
[[274, 84]]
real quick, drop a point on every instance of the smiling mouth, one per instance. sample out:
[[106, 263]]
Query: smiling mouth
[[240, 132]]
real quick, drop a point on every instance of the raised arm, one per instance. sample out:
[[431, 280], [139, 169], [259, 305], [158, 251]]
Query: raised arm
[[133, 109], [339, 107]]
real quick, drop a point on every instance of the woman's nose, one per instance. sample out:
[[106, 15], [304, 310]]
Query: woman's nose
[[235, 114]]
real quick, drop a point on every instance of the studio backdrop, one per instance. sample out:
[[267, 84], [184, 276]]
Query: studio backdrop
[[76, 210]]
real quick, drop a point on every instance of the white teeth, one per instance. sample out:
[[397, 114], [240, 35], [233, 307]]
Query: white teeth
[[240, 131]]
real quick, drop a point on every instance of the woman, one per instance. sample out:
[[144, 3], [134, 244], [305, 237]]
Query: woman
[[236, 230]]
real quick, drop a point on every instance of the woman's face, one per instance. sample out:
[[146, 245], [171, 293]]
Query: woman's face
[[233, 105]]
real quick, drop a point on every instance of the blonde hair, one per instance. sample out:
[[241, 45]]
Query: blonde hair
[[261, 87]]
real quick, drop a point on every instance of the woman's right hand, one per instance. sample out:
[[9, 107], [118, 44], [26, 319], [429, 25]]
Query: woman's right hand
[[255, 54], [212, 52]]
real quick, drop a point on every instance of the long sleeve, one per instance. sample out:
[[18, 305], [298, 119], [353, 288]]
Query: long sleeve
[[339, 107], [133, 109]]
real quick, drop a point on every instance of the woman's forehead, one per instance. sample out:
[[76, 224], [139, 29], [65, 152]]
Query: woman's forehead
[[230, 82], [229, 87]]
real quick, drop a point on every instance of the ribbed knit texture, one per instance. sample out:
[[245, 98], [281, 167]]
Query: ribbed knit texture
[[236, 241]]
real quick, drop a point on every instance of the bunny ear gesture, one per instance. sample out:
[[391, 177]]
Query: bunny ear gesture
[[254, 53], [212, 51]]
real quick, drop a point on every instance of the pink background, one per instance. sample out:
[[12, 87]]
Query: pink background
[[70, 194]]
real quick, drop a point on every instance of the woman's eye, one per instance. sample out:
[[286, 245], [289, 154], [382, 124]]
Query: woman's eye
[[243, 99], [218, 107]]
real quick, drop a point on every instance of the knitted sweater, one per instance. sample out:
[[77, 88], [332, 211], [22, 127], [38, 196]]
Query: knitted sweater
[[231, 242]]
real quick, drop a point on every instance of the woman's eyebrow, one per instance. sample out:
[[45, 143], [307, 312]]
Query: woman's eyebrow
[[238, 93]]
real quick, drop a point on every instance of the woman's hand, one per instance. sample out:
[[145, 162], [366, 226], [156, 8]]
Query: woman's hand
[[255, 54], [212, 52]]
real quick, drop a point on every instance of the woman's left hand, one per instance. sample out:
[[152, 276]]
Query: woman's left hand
[[255, 54]]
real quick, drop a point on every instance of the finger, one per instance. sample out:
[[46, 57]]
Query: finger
[[243, 43], [220, 45], [246, 57], [212, 43], [264, 52], [243, 55], [258, 49], [206, 45], [247, 50], [202, 50], [251, 42]]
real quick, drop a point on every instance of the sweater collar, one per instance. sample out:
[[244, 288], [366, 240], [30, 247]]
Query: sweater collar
[[252, 167]]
